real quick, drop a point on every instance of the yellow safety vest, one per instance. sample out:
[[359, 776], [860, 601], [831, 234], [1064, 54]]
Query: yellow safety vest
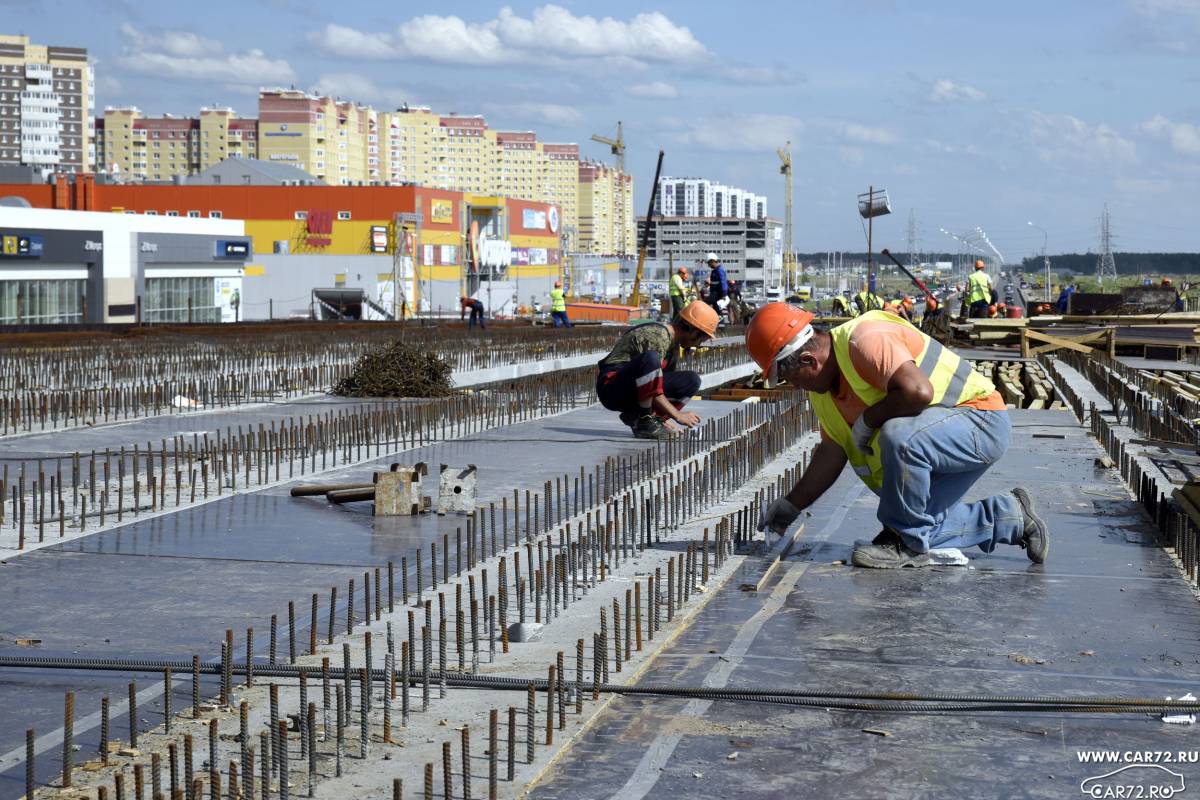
[[677, 289], [954, 382], [870, 302], [843, 308], [980, 287], [557, 301]]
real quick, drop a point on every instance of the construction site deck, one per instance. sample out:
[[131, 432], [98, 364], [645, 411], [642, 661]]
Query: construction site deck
[[570, 612]]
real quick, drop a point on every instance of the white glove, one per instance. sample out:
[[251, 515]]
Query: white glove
[[778, 516], [862, 433]]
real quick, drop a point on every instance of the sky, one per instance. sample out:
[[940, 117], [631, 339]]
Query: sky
[[970, 114]]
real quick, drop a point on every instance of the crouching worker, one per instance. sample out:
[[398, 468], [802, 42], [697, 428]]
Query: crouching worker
[[916, 422], [639, 380]]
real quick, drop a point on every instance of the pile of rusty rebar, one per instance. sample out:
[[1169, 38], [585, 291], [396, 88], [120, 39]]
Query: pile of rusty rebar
[[398, 370]]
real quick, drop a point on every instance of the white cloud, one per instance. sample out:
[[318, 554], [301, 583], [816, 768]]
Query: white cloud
[[654, 89], [752, 74], [510, 38], [1144, 185], [1184, 137], [952, 149], [863, 134], [361, 88], [1155, 7], [853, 156], [550, 113], [743, 133], [948, 91], [1062, 137], [181, 54]]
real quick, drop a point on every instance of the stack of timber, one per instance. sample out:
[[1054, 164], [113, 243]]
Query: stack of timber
[[1169, 335]]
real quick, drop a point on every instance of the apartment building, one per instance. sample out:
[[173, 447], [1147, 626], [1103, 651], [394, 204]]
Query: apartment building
[[700, 197], [46, 99], [605, 210], [343, 143], [133, 147]]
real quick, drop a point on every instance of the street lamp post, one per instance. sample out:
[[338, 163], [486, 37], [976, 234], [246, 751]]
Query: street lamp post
[[1045, 258]]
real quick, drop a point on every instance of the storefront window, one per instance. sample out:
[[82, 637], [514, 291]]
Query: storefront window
[[41, 302], [166, 300]]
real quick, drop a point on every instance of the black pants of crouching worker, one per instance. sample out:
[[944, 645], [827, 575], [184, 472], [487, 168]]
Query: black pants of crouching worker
[[630, 387]]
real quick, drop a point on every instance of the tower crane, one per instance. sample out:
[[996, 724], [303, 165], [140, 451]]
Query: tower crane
[[785, 168], [617, 145]]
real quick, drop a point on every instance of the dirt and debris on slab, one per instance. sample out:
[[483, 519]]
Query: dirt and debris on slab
[[398, 370]]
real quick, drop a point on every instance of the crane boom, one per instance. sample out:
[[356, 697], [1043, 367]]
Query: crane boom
[[617, 145], [635, 297], [785, 168]]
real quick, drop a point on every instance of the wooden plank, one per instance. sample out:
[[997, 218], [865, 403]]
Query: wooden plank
[[778, 552]]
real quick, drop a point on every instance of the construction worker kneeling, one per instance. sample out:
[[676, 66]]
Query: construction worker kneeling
[[918, 425], [639, 380]]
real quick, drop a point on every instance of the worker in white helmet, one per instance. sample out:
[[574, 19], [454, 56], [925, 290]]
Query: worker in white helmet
[[718, 283]]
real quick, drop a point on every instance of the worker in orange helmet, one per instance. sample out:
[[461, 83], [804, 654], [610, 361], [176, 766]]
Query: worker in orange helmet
[[558, 306], [979, 291], [991, 311], [918, 425], [639, 380], [906, 308]]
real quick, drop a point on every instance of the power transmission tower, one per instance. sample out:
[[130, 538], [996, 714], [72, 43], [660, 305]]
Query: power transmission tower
[[912, 239], [1106, 267]]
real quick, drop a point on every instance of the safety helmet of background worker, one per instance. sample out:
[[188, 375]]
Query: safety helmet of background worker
[[683, 273], [991, 311], [931, 304], [712, 257], [700, 316], [558, 284], [1166, 281], [979, 263], [775, 332]]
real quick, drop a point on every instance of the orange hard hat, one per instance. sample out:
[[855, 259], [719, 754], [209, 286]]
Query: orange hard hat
[[931, 303], [992, 310], [1166, 281], [701, 316], [777, 329], [979, 263], [907, 302], [558, 284], [1001, 306]]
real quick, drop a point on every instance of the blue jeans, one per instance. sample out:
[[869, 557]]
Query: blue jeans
[[929, 463], [560, 319]]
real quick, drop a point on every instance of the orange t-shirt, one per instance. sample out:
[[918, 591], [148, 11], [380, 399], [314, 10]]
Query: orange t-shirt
[[877, 350]]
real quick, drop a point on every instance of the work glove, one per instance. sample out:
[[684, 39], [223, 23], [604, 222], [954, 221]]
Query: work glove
[[862, 433], [778, 516]]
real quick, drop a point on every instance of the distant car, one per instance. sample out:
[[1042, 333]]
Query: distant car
[[1024, 284]]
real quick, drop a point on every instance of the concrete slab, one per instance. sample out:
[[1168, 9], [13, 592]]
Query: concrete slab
[[1105, 615], [169, 586]]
